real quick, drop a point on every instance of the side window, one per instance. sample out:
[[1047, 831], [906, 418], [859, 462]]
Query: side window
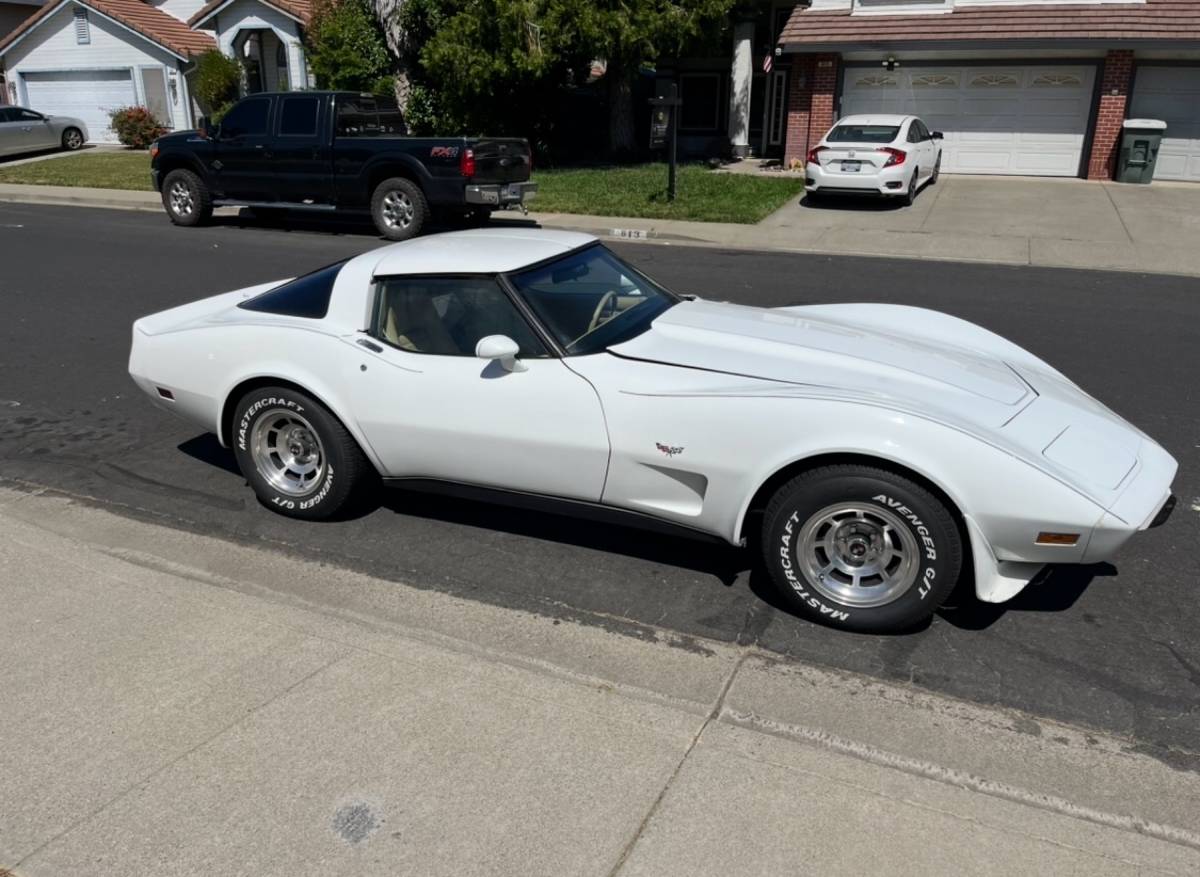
[[29, 116], [7, 115], [298, 116], [446, 316], [922, 131], [246, 119], [913, 133], [356, 117], [307, 296]]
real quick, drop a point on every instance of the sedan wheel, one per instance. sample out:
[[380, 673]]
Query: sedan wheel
[[861, 548], [911, 195], [72, 139]]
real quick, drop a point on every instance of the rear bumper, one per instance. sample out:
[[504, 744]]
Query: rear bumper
[[501, 194], [885, 181]]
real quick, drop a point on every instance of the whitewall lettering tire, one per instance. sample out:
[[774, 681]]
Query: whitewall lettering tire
[[861, 548]]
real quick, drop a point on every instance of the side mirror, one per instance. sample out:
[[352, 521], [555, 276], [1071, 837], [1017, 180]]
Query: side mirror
[[936, 135], [502, 348], [207, 128]]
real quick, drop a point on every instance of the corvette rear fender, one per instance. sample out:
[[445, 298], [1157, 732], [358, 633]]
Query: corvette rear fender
[[308, 384]]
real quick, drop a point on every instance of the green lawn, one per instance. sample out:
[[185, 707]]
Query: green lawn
[[636, 190], [641, 190], [101, 170]]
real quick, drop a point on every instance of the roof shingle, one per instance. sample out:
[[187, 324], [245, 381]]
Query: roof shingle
[[814, 30], [155, 25]]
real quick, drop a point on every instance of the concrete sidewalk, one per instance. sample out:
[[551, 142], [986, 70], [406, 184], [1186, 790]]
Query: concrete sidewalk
[[178, 705], [1046, 222]]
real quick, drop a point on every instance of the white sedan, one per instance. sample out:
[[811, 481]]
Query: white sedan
[[873, 453], [892, 156]]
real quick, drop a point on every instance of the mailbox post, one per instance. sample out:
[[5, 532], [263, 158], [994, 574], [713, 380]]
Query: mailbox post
[[663, 126]]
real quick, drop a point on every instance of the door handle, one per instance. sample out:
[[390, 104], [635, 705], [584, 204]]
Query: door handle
[[258, 146], [370, 345]]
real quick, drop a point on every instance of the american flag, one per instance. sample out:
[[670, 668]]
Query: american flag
[[767, 62]]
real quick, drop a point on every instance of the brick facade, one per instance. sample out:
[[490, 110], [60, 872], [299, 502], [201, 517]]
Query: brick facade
[[1115, 80], [810, 103]]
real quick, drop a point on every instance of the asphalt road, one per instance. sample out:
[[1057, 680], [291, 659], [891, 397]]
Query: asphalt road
[[1114, 647]]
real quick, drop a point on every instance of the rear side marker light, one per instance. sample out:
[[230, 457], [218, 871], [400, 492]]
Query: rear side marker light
[[1057, 538], [165, 393]]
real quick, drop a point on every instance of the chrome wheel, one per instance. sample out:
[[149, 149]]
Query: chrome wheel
[[397, 210], [857, 554], [182, 203], [72, 139], [287, 452]]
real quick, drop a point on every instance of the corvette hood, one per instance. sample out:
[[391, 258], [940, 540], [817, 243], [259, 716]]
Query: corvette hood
[[828, 350]]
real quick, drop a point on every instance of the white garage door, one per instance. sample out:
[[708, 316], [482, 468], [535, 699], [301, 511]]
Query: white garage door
[[1173, 95], [84, 94], [997, 120]]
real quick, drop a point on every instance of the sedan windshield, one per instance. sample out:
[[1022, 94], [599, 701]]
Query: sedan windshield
[[863, 134], [590, 300]]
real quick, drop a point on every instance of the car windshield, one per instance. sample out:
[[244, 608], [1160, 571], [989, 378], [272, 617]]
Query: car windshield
[[590, 300], [863, 134]]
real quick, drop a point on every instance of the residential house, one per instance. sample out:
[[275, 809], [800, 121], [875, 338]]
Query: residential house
[[1018, 87], [84, 58]]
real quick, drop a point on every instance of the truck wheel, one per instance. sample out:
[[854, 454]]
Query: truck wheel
[[186, 198], [860, 548], [299, 459], [399, 209]]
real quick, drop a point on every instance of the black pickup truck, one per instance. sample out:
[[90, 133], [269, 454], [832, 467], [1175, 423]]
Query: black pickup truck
[[335, 151]]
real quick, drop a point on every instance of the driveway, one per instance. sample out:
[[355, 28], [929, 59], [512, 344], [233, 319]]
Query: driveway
[[1013, 220]]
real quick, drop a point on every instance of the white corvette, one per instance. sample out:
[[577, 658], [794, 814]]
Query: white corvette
[[875, 453]]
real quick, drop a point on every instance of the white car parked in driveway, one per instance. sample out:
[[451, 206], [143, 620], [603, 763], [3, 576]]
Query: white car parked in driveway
[[874, 452], [892, 156]]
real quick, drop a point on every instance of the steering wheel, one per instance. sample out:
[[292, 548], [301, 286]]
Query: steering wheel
[[607, 301]]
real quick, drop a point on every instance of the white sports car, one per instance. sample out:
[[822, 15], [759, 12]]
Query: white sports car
[[875, 453]]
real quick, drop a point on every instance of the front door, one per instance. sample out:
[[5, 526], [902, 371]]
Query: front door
[[300, 151], [431, 409], [241, 164]]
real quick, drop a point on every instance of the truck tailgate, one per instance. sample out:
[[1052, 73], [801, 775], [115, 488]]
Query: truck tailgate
[[501, 160]]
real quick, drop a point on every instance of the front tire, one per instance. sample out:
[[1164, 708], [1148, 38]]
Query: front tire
[[298, 458], [937, 171], [186, 199], [399, 209], [861, 548], [72, 139]]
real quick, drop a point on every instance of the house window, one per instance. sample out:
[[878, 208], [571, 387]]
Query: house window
[[83, 34], [701, 96], [1057, 80], [935, 80], [995, 80], [875, 80]]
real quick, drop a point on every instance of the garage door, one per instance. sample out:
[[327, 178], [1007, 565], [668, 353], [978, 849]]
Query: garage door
[[1173, 95], [84, 94], [997, 120]]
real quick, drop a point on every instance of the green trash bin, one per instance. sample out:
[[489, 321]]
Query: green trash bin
[[1140, 139]]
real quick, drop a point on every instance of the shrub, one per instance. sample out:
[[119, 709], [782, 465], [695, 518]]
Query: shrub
[[136, 126], [216, 82]]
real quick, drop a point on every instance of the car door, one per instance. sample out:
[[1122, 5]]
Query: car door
[[10, 132], [300, 151], [924, 146], [41, 131], [431, 409], [240, 166]]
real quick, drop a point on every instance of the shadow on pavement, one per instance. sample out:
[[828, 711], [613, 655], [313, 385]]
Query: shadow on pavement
[[852, 203], [357, 224], [1055, 589]]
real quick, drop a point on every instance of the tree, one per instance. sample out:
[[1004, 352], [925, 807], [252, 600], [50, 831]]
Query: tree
[[630, 35], [390, 14], [491, 62], [346, 47]]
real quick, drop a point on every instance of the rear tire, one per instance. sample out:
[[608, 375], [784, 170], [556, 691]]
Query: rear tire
[[298, 458], [186, 199], [911, 195], [72, 139], [860, 548], [399, 209]]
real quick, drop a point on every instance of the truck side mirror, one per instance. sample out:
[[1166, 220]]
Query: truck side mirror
[[208, 128]]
